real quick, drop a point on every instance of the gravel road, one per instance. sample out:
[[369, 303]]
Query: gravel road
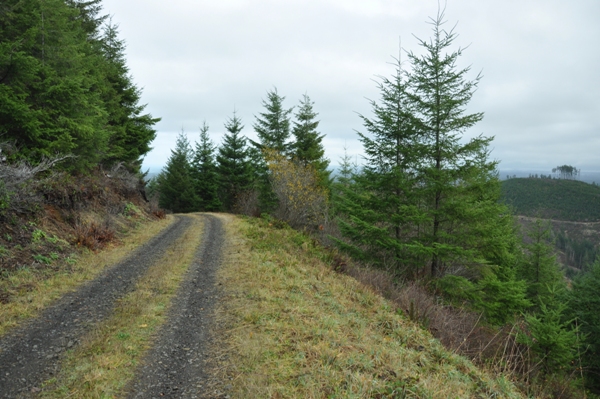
[[30, 354], [174, 366]]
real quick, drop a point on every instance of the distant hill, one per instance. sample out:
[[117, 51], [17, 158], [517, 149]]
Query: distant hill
[[558, 199]]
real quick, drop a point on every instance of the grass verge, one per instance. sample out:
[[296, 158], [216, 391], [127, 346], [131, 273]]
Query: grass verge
[[38, 288], [297, 329], [105, 361]]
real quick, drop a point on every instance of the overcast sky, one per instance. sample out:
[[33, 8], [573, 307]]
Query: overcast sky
[[199, 60]]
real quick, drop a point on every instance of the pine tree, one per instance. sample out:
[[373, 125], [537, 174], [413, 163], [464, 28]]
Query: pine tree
[[175, 182], [307, 147], [233, 164], [205, 173], [273, 125]]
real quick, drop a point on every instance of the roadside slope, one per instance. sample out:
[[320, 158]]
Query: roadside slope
[[293, 328]]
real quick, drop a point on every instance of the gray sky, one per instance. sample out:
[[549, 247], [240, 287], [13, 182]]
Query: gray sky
[[197, 60]]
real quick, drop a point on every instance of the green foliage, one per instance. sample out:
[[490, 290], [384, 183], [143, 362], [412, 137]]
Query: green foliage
[[233, 165], [307, 147], [558, 199], [175, 181], [273, 125], [61, 93], [426, 201], [552, 339], [539, 268], [584, 306], [204, 170]]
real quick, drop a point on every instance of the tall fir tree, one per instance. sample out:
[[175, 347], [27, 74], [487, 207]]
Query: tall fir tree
[[381, 207], [273, 125], [205, 172], [233, 164], [307, 146], [131, 131], [175, 182]]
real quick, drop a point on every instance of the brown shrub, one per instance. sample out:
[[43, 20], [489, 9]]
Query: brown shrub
[[93, 236]]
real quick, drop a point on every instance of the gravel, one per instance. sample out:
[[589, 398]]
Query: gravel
[[30, 354], [175, 366]]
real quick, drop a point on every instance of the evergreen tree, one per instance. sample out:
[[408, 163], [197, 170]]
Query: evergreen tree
[[131, 131], [273, 125], [553, 340], [383, 209], [584, 305], [205, 172], [455, 173], [307, 147], [233, 164], [175, 182], [540, 269]]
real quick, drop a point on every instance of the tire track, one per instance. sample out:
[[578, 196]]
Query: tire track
[[174, 366], [29, 355]]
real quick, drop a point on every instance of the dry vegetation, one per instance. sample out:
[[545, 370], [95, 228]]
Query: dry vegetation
[[298, 329], [51, 227]]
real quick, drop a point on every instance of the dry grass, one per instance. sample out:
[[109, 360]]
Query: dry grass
[[296, 329], [33, 290], [105, 361]]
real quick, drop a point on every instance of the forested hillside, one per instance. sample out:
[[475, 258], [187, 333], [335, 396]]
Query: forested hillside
[[560, 199], [65, 87]]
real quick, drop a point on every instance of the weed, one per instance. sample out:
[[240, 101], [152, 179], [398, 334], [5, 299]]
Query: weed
[[38, 235], [42, 259]]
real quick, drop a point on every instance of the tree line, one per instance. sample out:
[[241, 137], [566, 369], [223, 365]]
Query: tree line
[[424, 205], [65, 87]]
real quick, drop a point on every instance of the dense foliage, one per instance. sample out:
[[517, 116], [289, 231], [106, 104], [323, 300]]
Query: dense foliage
[[559, 199], [65, 87]]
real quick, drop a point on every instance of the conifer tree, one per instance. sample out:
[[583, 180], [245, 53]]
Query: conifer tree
[[584, 306], [273, 125], [540, 269], [131, 131], [175, 182], [205, 172], [307, 147], [233, 164]]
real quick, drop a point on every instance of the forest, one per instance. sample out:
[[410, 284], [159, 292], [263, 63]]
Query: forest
[[424, 206]]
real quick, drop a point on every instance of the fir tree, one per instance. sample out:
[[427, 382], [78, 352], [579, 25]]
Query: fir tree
[[584, 305], [540, 269], [273, 125], [307, 147], [175, 182], [233, 164], [205, 172], [131, 131]]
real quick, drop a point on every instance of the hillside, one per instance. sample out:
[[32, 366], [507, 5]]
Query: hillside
[[557, 199], [291, 327]]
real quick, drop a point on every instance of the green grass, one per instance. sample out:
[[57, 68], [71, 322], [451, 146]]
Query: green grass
[[557, 199], [296, 329]]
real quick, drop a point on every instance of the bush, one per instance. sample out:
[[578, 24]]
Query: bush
[[302, 199]]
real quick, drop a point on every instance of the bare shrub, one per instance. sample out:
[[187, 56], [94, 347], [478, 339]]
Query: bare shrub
[[93, 235], [302, 200]]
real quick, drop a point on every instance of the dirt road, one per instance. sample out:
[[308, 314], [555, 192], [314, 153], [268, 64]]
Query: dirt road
[[30, 354]]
